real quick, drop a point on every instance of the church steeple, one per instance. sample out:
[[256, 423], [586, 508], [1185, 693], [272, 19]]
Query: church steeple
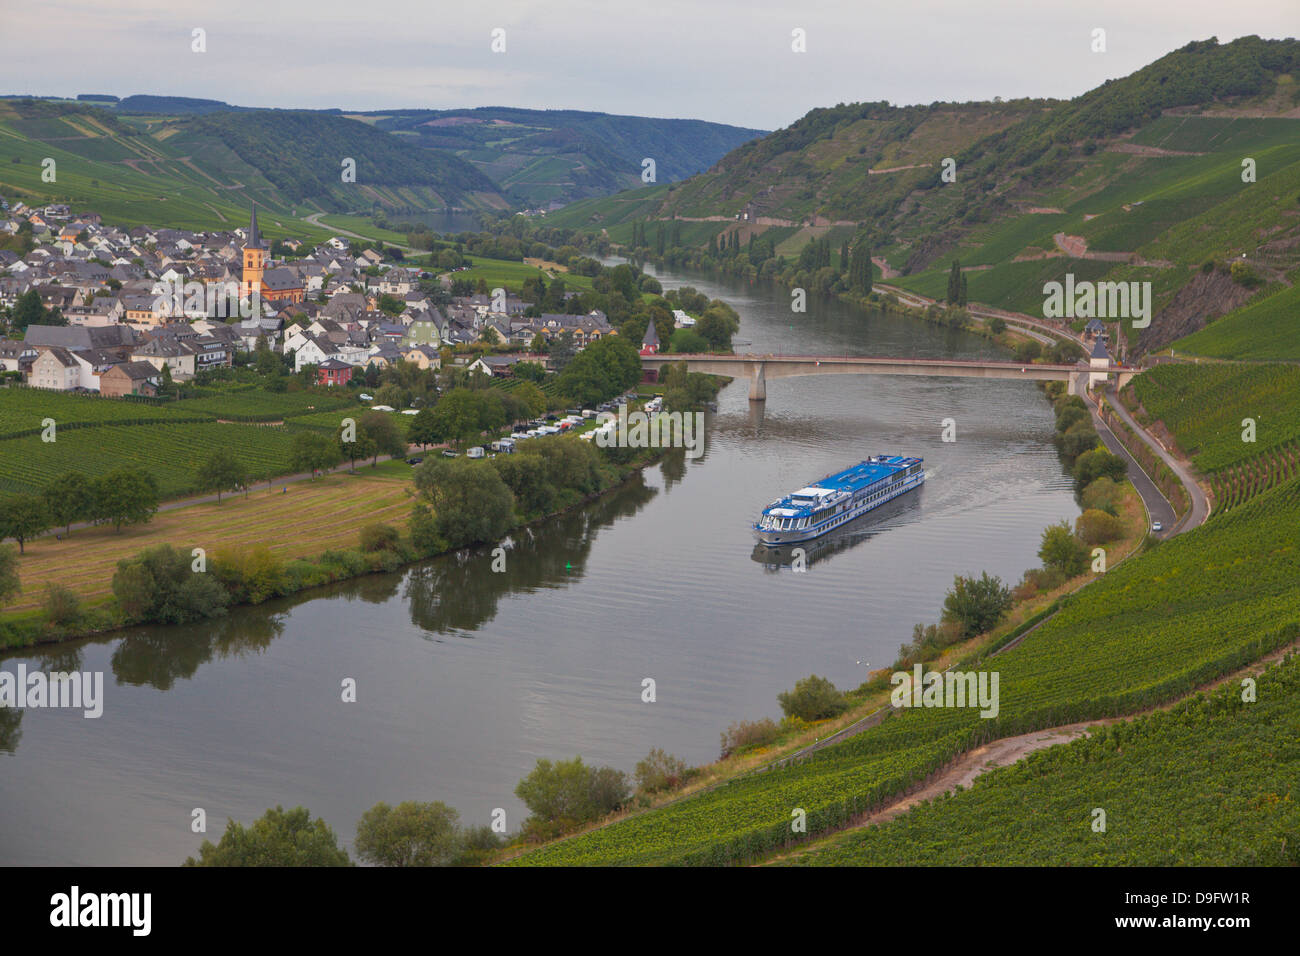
[[254, 238]]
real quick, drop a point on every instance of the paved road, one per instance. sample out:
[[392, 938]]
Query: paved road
[[1200, 509], [1158, 507]]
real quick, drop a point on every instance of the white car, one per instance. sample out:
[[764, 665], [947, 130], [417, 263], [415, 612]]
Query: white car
[[1157, 526]]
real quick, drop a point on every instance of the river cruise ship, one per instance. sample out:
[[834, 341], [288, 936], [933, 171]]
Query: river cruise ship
[[837, 499]]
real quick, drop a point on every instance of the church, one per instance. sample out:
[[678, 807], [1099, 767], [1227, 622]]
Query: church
[[276, 284]]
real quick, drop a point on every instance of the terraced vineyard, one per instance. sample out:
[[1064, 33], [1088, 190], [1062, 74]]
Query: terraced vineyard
[[170, 452], [1152, 629], [1224, 769]]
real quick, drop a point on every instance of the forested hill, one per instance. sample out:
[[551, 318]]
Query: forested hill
[[552, 157]]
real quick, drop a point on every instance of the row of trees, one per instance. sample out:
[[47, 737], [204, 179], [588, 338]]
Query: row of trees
[[120, 497]]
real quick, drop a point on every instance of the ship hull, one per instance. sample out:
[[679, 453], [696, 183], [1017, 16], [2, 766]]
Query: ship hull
[[779, 539]]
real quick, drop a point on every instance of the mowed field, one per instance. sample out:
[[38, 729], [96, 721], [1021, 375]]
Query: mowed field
[[309, 518]]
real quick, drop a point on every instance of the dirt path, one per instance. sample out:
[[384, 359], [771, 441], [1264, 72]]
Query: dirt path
[[967, 767]]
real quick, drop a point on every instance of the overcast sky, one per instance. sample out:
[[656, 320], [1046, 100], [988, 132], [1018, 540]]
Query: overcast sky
[[720, 60]]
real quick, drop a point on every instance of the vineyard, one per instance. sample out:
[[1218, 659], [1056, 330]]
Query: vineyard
[[1114, 648], [1203, 408], [1224, 769], [170, 452], [258, 405], [22, 410]]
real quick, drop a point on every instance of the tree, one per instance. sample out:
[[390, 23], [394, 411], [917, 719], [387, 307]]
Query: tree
[[423, 429], [221, 471], [1097, 527], [1062, 551], [313, 452], [659, 771], [532, 397], [68, 498], [278, 838], [27, 311], [568, 793], [10, 583], [469, 501], [410, 834], [124, 496], [813, 698], [1098, 463], [976, 605], [954, 284], [383, 434], [159, 586], [23, 517]]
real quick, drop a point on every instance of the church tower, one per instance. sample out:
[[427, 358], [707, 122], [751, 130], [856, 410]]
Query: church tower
[[254, 261]]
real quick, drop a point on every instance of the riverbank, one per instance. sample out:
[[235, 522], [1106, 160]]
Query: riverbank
[[870, 702], [275, 526]]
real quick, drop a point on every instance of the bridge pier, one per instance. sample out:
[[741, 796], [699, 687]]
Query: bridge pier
[[758, 383]]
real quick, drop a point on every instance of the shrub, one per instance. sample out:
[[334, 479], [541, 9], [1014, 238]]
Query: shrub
[[62, 606], [1062, 551], [1101, 495], [251, 575], [659, 771], [976, 605], [1097, 527], [159, 586], [379, 537], [813, 698], [744, 734]]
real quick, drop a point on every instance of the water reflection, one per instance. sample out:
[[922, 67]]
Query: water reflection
[[458, 593], [890, 515]]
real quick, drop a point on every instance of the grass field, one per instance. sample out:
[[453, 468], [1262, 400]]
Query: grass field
[[311, 517]]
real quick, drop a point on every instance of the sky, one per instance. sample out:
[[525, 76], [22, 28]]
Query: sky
[[720, 60]]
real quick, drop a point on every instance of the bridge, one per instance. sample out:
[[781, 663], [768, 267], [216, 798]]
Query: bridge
[[759, 368]]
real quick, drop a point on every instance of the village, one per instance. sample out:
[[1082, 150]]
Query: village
[[123, 310]]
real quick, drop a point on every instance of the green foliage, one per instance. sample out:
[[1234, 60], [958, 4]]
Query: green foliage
[[1144, 773], [470, 504], [1264, 329], [10, 582], [813, 698], [313, 452], [1097, 527], [278, 838], [410, 834], [1098, 463], [1062, 551], [221, 471], [976, 604], [62, 606], [159, 586], [1101, 495], [23, 517], [566, 794], [378, 537], [659, 771]]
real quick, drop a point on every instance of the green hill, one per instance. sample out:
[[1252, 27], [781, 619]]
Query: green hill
[[1142, 178], [205, 170], [552, 157]]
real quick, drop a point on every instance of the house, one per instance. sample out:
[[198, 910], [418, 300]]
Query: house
[[55, 368], [333, 372], [1095, 329], [498, 366], [681, 320], [129, 378], [13, 353], [163, 350], [423, 356], [1099, 362]]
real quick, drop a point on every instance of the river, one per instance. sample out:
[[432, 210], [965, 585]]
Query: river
[[465, 677]]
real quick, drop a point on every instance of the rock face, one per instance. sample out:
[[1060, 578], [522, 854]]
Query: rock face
[[1207, 296]]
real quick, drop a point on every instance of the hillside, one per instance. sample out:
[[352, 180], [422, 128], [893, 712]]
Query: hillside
[[208, 168], [551, 157], [1140, 179]]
